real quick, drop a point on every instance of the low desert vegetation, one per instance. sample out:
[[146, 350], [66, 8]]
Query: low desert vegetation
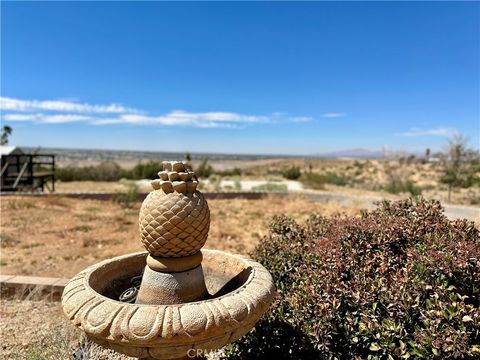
[[460, 165], [451, 176], [127, 198], [204, 170], [318, 181], [270, 187], [292, 173], [108, 171], [398, 282]]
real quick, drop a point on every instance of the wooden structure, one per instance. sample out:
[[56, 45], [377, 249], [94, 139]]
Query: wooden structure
[[26, 172]]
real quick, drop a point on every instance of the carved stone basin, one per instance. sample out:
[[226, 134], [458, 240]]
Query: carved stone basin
[[187, 301], [240, 292]]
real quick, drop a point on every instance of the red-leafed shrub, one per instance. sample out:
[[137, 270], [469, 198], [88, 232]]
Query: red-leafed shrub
[[401, 281]]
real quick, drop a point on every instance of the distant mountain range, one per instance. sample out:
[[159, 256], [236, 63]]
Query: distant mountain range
[[358, 153]]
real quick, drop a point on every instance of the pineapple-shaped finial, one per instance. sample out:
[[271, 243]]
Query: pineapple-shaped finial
[[175, 177], [174, 218]]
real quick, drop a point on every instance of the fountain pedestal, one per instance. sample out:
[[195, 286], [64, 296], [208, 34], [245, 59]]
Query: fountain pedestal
[[160, 287]]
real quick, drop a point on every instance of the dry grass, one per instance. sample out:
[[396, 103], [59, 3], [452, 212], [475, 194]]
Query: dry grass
[[38, 330], [57, 236], [91, 186]]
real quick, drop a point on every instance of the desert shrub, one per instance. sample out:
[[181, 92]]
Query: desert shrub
[[318, 181], [105, 171], [271, 187], [230, 172], [292, 173], [7, 240], [147, 170], [460, 164], [204, 170], [401, 281], [108, 171], [313, 180], [127, 199], [396, 185], [335, 179]]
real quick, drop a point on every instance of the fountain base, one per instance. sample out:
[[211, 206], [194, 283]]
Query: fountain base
[[163, 288]]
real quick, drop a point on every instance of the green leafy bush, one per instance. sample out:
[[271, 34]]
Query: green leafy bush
[[292, 173], [401, 281]]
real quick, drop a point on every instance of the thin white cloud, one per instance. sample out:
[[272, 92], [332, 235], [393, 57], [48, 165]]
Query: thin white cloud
[[61, 105], [174, 118], [46, 118], [334, 115], [184, 118], [301, 119], [440, 131], [63, 111]]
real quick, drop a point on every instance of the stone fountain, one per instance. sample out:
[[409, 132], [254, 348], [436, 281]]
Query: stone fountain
[[175, 301]]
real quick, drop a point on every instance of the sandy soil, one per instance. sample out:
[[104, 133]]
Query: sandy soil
[[58, 236]]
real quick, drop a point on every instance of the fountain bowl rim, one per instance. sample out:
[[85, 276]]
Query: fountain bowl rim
[[245, 260], [115, 323]]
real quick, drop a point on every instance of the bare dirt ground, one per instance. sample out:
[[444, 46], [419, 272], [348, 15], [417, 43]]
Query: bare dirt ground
[[58, 236]]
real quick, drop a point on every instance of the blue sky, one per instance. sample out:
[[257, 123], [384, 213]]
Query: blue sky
[[274, 78]]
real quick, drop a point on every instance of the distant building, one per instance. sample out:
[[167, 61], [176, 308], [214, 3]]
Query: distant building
[[22, 171], [10, 150]]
